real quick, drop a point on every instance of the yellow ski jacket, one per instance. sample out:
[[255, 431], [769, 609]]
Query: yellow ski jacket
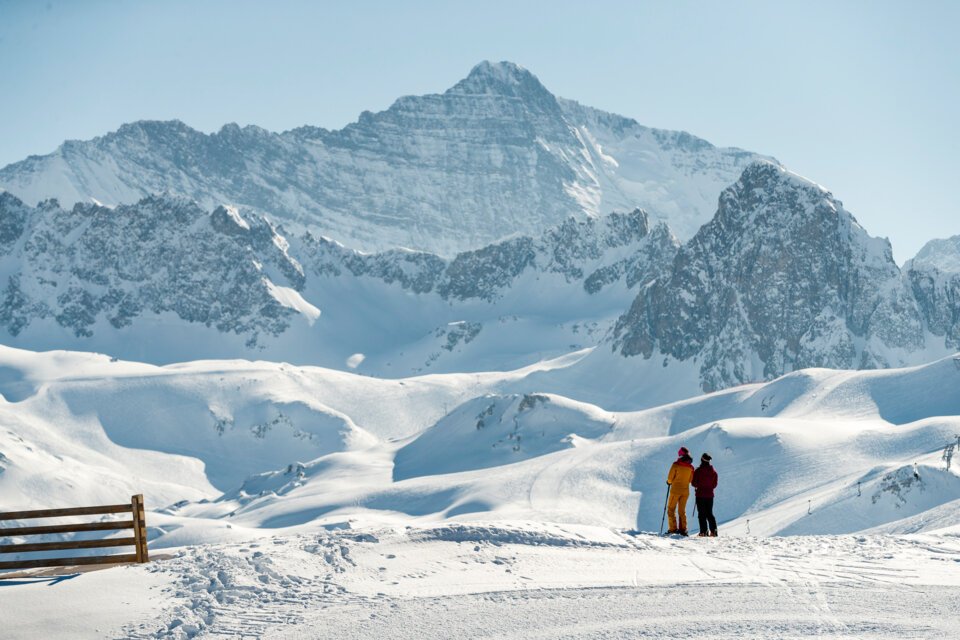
[[681, 473]]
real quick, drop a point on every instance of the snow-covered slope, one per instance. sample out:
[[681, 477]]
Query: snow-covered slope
[[51, 454], [493, 156], [509, 581], [817, 451]]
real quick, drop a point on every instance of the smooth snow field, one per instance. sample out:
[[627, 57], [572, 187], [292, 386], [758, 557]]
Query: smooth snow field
[[301, 502]]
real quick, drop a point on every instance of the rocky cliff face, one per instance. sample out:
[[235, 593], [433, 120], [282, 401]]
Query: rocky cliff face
[[496, 155], [96, 268], [781, 278]]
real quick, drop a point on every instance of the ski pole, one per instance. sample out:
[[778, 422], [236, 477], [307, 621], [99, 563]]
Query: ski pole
[[665, 499]]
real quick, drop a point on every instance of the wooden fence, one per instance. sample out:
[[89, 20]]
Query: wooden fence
[[138, 540]]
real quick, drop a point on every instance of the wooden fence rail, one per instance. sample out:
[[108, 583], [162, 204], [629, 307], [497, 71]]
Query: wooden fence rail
[[138, 523]]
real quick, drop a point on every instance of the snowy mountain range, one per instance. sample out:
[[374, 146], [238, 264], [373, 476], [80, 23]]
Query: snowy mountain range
[[163, 280], [505, 191], [494, 156], [782, 278]]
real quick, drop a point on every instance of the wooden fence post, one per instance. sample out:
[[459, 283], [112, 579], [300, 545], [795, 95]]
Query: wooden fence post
[[140, 528]]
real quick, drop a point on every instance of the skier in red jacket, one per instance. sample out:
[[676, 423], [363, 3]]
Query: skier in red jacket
[[705, 481]]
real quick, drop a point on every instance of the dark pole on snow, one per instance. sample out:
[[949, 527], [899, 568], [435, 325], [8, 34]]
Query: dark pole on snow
[[664, 517]]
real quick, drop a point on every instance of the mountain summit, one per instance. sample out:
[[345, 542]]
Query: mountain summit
[[782, 278], [503, 79], [495, 155]]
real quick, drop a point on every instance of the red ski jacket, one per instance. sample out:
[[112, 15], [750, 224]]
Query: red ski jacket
[[705, 480]]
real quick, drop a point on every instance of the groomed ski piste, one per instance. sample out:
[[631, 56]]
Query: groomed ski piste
[[299, 502]]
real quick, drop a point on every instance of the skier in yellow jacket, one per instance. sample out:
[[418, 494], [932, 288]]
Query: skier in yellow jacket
[[681, 473]]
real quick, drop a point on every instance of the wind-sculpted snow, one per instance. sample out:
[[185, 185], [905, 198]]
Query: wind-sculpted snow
[[778, 448], [494, 156], [298, 449], [781, 279], [490, 431]]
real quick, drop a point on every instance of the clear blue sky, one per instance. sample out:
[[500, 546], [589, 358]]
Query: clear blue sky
[[859, 96]]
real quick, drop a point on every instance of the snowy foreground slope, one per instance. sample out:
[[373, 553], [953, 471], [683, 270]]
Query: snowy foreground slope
[[299, 502], [509, 581]]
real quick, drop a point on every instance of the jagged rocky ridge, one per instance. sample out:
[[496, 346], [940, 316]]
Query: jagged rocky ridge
[[93, 269], [593, 253], [94, 265], [784, 278], [494, 156]]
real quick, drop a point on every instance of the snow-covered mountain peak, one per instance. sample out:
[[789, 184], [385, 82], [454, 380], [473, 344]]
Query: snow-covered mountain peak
[[765, 183], [228, 220], [495, 156], [782, 278], [139, 131], [501, 78], [174, 125], [942, 254], [769, 199]]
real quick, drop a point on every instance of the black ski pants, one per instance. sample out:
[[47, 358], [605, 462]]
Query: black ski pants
[[705, 514]]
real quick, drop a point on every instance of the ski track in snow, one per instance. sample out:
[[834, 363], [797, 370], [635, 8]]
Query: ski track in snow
[[649, 612], [240, 591], [551, 581]]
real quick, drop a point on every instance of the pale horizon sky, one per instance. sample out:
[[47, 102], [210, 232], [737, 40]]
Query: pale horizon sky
[[860, 97]]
